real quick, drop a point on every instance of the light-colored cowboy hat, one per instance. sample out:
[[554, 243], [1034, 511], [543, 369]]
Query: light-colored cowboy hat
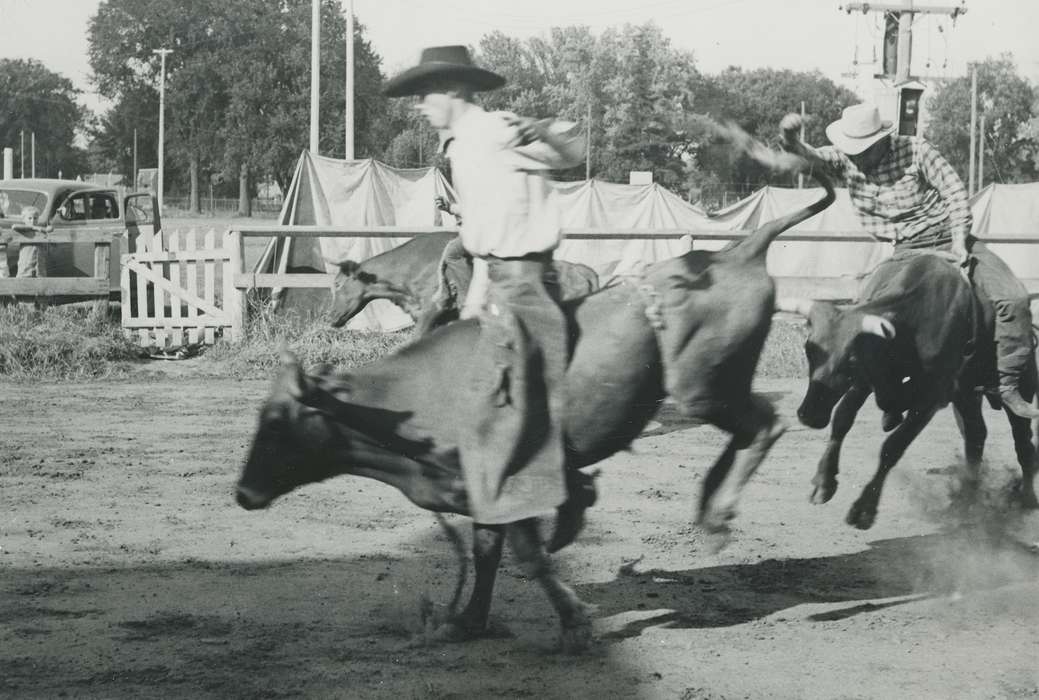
[[859, 127], [439, 63]]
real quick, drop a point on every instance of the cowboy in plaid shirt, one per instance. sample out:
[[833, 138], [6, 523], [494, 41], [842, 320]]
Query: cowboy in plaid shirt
[[907, 194]]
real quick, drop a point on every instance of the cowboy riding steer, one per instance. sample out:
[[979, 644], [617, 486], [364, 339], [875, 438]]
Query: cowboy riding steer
[[692, 327], [919, 338]]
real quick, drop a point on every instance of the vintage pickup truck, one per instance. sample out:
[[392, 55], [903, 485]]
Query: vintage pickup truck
[[66, 205]]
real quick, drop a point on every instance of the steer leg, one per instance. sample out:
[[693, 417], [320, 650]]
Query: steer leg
[[824, 483], [471, 623], [967, 409], [525, 541], [1021, 428], [864, 511], [752, 439]]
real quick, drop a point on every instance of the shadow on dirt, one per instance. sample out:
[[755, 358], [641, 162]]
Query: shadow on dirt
[[957, 562]]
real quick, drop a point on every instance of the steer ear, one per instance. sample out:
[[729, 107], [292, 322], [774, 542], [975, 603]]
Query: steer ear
[[878, 325], [792, 305], [346, 265], [292, 378]]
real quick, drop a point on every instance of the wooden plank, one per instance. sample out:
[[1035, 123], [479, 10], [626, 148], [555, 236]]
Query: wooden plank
[[209, 270], [145, 338], [196, 322], [154, 272], [161, 283], [68, 235], [248, 280], [54, 286], [125, 295], [234, 298], [595, 234], [160, 338], [183, 255], [192, 336], [102, 265], [191, 271], [176, 337], [142, 288], [210, 336], [174, 277]]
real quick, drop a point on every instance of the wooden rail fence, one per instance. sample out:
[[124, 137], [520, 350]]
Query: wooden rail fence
[[241, 281]]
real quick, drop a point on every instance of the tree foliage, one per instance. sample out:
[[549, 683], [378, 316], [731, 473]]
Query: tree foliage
[[1008, 102], [38, 101]]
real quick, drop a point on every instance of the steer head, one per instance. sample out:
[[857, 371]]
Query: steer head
[[354, 287], [835, 337], [283, 454]]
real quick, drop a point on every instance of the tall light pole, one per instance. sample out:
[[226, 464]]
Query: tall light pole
[[162, 116], [349, 119], [315, 75]]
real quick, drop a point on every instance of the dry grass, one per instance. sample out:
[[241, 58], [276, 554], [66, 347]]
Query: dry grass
[[61, 342]]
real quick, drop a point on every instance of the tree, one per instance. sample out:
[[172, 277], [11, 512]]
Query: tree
[[756, 101], [238, 82], [41, 102], [1008, 102]]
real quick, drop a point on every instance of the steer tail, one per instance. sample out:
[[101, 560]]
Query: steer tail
[[756, 244]]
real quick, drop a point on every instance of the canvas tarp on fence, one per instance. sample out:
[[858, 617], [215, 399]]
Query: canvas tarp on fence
[[1010, 211]]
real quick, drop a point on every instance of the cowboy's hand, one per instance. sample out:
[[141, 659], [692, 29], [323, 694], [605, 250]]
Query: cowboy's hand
[[526, 130], [959, 250], [441, 204], [789, 128]]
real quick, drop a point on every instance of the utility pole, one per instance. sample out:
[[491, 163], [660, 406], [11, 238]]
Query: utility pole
[[981, 154], [133, 182], [32, 139], [162, 117], [315, 74], [350, 80], [801, 176], [21, 153], [905, 13], [588, 144], [973, 127]]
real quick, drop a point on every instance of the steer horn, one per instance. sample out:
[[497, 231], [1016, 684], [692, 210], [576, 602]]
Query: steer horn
[[794, 305], [878, 325]]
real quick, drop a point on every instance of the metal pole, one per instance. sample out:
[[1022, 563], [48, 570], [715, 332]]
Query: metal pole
[[315, 77], [588, 143], [981, 154], [973, 126], [32, 140], [349, 119], [21, 153], [801, 176], [8, 163], [162, 120], [133, 183]]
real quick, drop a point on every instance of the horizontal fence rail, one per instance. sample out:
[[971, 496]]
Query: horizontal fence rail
[[96, 287], [833, 288]]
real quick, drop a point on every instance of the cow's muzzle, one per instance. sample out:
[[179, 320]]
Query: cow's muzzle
[[251, 500], [817, 406]]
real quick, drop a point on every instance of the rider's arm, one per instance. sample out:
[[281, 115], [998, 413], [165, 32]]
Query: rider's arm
[[826, 156], [942, 177]]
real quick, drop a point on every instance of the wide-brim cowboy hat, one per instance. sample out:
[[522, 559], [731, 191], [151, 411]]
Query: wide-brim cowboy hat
[[859, 127], [439, 64]]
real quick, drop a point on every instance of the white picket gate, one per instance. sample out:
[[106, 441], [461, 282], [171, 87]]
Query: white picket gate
[[175, 297]]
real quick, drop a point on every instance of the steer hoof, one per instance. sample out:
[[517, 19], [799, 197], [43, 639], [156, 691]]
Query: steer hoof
[[822, 491], [861, 516]]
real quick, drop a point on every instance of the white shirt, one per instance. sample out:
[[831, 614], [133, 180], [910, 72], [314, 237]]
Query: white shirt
[[508, 208]]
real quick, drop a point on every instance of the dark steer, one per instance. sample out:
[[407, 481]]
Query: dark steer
[[409, 274], [694, 324], [919, 339]]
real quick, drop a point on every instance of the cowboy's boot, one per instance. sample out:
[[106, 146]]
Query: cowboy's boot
[[1014, 353], [570, 515]]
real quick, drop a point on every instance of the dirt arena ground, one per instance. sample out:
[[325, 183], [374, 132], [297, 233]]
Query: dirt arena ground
[[128, 571]]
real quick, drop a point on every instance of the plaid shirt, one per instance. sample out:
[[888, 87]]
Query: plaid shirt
[[913, 198]]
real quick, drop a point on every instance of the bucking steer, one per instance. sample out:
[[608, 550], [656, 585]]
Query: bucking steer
[[692, 327], [410, 276], [918, 339]]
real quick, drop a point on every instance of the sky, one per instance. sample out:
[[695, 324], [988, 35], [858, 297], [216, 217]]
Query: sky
[[794, 34]]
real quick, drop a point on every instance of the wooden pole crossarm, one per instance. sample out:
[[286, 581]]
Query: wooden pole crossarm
[[864, 7]]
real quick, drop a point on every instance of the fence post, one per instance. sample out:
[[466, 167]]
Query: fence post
[[102, 260], [235, 298]]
